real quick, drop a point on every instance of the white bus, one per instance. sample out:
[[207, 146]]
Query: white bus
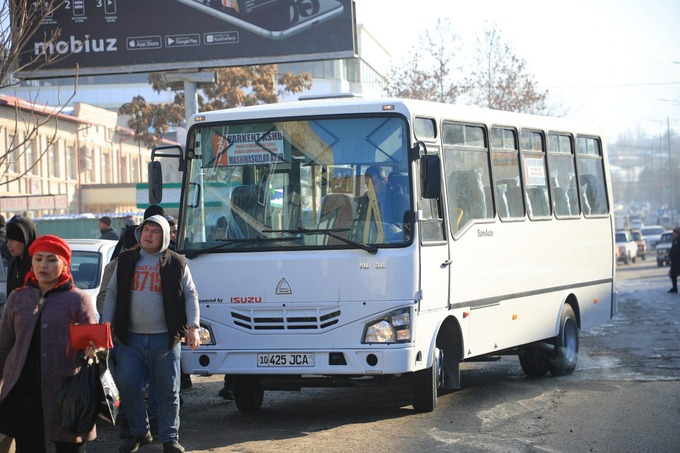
[[476, 234]]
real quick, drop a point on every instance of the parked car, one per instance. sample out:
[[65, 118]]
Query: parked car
[[89, 257], [663, 250], [641, 242], [652, 233], [627, 247]]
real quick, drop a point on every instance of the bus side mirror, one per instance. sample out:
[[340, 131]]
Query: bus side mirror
[[430, 176], [155, 182]]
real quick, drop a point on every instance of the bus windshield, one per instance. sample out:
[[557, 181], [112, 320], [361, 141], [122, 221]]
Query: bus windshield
[[314, 183]]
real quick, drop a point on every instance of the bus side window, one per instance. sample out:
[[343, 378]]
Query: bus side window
[[467, 198], [591, 176], [563, 175], [535, 181]]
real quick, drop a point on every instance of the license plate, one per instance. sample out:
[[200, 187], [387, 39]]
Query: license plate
[[290, 359]]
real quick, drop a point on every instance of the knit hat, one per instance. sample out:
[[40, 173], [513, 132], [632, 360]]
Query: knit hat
[[51, 244], [154, 209], [14, 232], [106, 220]]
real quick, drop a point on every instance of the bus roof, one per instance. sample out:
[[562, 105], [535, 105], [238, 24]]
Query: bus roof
[[348, 105]]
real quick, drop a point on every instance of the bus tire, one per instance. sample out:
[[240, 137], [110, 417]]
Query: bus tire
[[563, 361], [425, 385], [534, 360], [248, 393]]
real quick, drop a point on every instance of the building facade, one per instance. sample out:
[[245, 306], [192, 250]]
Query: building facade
[[59, 163]]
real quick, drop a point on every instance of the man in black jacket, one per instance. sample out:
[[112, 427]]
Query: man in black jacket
[[20, 234], [106, 230], [674, 256]]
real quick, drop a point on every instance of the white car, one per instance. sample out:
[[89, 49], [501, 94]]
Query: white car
[[88, 259], [652, 233], [627, 247], [663, 250]]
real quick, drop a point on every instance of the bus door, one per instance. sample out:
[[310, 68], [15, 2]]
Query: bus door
[[434, 253]]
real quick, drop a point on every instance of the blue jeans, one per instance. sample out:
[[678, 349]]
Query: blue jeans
[[146, 357]]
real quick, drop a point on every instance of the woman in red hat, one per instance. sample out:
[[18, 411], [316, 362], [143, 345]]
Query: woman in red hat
[[34, 340]]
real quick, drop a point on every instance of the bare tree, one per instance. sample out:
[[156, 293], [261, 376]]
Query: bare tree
[[236, 86], [499, 78], [430, 70], [21, 20]]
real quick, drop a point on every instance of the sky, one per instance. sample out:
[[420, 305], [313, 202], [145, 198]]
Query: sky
[[615, 63]]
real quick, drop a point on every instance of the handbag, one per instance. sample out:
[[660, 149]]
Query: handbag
[[78, 400], [88, 395], [83, 334]]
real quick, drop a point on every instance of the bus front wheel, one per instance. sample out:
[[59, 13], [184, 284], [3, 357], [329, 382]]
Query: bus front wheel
[[563, 361], [426, 383], [248, 393]]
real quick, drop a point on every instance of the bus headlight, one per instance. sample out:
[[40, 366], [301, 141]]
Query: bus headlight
[[395, 327], [205, 334]]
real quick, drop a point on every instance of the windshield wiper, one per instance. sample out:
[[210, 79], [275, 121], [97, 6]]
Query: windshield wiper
[[194, 253], [330, 232]]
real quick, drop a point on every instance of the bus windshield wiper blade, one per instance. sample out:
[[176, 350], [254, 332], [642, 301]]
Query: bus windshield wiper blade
[[330, 232], [196, 252]]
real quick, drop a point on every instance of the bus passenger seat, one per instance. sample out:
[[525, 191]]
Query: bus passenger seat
[[336, 212], [244, 208]]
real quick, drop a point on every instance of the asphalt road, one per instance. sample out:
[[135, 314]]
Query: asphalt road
[[623, 397]]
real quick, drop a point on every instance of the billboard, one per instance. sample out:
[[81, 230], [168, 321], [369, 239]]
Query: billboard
[[123, 36]]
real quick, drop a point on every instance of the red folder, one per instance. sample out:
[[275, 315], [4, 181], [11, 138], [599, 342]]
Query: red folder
[[83, 334]]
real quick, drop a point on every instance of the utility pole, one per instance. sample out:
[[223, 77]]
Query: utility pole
[[671, 187]]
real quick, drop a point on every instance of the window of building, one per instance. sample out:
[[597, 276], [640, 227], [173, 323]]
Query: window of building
[[71, 160], [30, 158], [11, 154]]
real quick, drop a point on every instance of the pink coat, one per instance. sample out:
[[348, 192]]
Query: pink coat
[[60, 309]]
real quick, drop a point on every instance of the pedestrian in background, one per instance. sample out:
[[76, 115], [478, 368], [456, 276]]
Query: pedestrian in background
[[4, 251], [151, 302], [20, 234], [106, 230], [34, 336], [173, 231], [674, 256]]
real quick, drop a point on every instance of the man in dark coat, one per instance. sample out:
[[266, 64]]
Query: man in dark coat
[[20, 234], [106, 230], [674, 256]]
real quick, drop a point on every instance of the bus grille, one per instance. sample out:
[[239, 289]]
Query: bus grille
[[286, 319]]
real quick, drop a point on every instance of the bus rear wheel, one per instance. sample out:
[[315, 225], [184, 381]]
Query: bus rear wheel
[[248, 393], [563, 361], [426, 383]]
